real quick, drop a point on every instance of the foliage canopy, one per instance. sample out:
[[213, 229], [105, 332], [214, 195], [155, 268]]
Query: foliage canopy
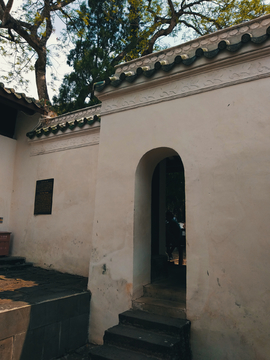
[[105, 33]]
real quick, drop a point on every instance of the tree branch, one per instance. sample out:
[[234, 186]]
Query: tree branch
[[190, 26], [204, 17], [7, 11], [60, 5], [170, 3]]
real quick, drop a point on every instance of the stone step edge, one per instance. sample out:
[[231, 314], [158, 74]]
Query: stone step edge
[[12, 259], [163, 295], [161, 302], [144, 341], [15, 266], [108, 352], [154, 322]]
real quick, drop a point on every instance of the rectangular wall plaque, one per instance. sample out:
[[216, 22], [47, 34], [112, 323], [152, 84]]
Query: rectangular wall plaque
[[43, 198]]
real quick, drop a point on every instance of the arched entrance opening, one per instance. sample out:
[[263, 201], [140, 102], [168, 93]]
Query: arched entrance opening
[[152, 197], [168, 234]]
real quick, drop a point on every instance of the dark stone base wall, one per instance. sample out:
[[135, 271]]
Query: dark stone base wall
[[46, 330]]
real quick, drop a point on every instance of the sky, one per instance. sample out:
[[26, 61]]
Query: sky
[[59, 65]]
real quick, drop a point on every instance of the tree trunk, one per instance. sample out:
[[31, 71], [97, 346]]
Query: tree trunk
[[40, 71]]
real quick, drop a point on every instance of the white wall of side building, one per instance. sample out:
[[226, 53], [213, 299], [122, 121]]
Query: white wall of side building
[[61, 240], [7, 157]]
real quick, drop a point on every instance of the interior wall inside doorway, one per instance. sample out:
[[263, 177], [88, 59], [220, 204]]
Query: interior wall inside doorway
[[168, 194]]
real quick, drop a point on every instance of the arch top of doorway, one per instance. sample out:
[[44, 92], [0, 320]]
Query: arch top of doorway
[[152, 157]]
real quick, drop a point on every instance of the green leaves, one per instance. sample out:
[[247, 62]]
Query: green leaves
[[102, 28]]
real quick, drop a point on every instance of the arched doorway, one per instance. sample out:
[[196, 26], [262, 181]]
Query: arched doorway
[[145, 248], [168, 197]]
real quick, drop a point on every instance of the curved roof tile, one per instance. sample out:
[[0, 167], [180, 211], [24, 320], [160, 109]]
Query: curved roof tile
[[180, 60], [22, 101]]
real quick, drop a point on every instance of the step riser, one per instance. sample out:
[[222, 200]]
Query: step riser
[[15, 267], [11, 260], [148, 325], [97, 357], [106, 352], [151, 291], [141, 346], [159, 310]]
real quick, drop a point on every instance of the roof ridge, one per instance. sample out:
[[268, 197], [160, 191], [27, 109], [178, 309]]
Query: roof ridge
[[147, 68]]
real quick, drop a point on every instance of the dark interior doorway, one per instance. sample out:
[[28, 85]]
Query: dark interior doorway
[[168, 194]]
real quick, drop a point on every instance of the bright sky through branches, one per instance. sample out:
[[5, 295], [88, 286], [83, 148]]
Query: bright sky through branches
[[58, 59]]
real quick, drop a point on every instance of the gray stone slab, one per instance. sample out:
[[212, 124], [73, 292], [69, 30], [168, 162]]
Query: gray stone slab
[[78, 333], [6, 349], [51, 341], [14, 321], [29, 345], [106, 352], [64, 344], [43, 314]]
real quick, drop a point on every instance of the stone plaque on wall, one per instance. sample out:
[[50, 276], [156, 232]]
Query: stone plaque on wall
[[43, 198]]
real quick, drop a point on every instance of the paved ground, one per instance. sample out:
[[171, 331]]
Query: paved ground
[[33, 284], [80, 354]]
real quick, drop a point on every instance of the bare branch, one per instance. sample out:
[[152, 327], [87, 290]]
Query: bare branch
[[69, 18], [12, 38], [170, 3], [191, 26], [202, 16], [7, 11], [60, 5]]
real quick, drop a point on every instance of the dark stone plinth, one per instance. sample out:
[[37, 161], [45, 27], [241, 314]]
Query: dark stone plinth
[[44, 314]]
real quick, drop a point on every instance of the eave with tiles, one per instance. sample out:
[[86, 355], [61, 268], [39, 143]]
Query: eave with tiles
[[20, 101], [176, 71], [76, 129]]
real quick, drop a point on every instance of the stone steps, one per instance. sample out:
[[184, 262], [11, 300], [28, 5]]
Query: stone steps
[[106, 352], [165, 297], [13, 263], [156, 326], [160, 307], [151, 321], [161, 290], [142, 335]]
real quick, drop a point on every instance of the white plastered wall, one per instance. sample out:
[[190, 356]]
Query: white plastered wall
[[222, 137], [59, 241], [7, 157]]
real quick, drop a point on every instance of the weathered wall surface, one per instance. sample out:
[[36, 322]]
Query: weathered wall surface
[[218, 122], [61, 240], [7, 151]]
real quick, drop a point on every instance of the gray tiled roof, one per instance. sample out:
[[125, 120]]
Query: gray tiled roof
[[21, 100], [230, 40], [82, 118]]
